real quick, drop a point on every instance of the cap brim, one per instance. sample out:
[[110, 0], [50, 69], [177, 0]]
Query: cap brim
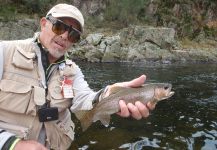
[[58, 15]]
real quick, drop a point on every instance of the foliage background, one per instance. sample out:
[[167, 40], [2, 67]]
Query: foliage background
[[191, 19]]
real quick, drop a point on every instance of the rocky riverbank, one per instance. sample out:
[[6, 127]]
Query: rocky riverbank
[[132, 44]]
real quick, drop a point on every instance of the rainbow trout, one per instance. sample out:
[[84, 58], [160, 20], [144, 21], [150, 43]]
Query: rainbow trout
[[153, 93]]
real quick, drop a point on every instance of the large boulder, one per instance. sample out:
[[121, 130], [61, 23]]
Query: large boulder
[[137, 43], [20, 29]]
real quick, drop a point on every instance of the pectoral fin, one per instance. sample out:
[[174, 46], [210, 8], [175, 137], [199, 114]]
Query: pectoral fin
[[105, 120], [85, 117]]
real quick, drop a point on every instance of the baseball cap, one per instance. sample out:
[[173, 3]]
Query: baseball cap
[[66, 10]]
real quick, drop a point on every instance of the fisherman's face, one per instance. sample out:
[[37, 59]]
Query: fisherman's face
[[59, 40]]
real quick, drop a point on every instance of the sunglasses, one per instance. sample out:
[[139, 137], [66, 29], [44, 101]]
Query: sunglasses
[[59, 27]]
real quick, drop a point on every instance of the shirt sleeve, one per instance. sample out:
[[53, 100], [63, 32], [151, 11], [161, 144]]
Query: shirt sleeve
[[84, 96], [4, 137]]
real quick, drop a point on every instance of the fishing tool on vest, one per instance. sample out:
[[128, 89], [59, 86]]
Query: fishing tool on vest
[[66, 88], [66, 83], [47, 113]]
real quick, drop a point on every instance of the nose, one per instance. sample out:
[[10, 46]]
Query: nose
[[64, 36]]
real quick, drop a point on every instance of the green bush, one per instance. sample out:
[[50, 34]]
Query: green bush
[[12, 7], [37, 6], [7, 12], [124, 11]]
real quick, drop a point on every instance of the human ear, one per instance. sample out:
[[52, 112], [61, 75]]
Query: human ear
[[43, 23]]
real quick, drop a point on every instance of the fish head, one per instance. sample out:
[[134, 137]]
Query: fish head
[[163, 91]]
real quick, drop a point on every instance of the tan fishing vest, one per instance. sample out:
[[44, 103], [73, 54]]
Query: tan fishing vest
[[22, 89]]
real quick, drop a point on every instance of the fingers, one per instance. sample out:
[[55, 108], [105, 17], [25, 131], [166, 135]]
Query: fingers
[[143, 109], [137, 111], [133, 83], [124, 112], [151, 106], [136, 82]]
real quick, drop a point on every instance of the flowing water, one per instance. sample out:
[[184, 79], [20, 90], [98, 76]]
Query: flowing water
[[186, 121]]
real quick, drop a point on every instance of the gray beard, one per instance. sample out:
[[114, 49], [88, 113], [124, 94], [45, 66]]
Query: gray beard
[[57, 53]]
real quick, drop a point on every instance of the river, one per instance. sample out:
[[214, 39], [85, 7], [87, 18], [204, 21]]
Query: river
[[186, 121]]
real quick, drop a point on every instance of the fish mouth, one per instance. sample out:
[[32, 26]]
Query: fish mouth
[[168, 95], [171, 93]]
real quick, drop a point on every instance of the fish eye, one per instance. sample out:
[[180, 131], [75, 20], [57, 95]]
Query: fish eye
[[166, 87]]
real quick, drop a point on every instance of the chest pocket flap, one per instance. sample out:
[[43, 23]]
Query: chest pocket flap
[[14, 87], [23, 59], [15, 96]]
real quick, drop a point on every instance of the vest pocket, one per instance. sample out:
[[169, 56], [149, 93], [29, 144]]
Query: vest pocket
[[22, 59], [57, 99], [19, 131], [60, 133], [66, 126], [16, 97]]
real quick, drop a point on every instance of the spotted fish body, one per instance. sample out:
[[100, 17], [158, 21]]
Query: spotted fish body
[[147, 93]]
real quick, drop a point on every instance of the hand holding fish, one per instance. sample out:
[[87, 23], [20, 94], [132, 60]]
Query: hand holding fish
[[137, 110], [132, 98]]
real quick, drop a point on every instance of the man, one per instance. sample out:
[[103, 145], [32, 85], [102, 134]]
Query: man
[[39, 83]]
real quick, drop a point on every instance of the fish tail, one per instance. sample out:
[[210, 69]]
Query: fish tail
[[85, 117]]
